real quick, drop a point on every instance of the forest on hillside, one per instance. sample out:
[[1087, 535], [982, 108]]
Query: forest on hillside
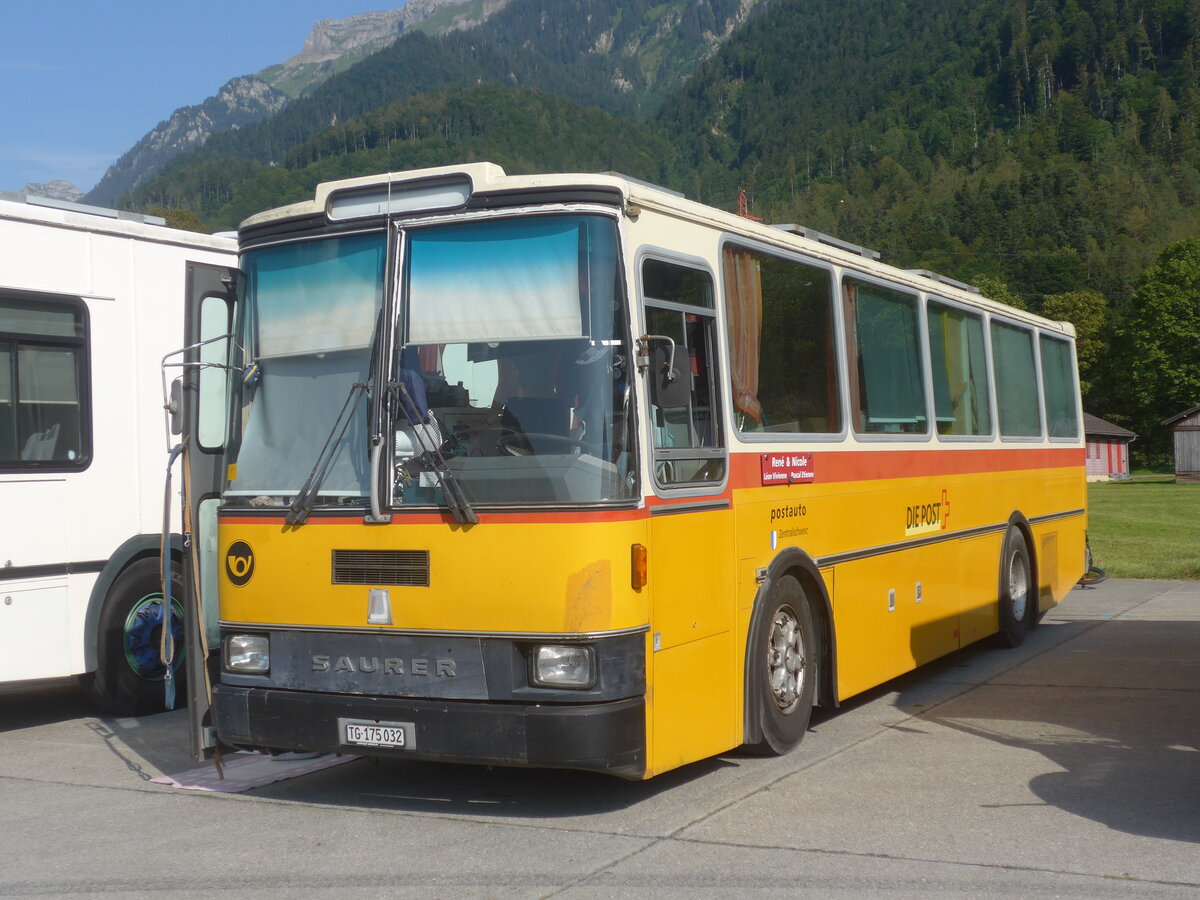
[[1047, 150]]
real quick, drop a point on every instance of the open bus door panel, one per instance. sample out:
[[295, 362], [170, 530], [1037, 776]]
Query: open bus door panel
[[209, 368]]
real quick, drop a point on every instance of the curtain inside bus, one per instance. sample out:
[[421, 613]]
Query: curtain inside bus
[[743, 296], [494, 281], [960, 383]]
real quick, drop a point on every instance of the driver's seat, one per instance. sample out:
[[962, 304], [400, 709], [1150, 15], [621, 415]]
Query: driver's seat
[[541, 415]]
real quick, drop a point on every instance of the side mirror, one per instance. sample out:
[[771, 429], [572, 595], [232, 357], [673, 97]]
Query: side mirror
[[175, 407], [669, 387]]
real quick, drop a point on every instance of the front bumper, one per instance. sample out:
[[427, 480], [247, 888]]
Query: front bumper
[[601, 737]]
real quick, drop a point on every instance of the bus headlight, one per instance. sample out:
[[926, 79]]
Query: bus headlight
[[249, 654], [563, 665]]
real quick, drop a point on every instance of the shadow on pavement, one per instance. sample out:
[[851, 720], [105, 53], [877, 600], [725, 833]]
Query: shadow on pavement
[[1118, 710], [398, 785], [66, 716], [30, 704]]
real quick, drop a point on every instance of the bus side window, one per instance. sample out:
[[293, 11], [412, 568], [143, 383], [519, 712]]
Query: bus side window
[[44, 421], [1058, 387], [961, 399], [887, 389], [1016, 381], [782, 347], [679, 309]]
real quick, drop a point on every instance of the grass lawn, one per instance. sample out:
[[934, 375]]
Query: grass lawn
[[1145, 529]]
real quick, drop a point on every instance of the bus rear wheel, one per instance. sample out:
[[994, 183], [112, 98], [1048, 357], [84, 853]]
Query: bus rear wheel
[[1018, 600], [783, 660], [130, 678]]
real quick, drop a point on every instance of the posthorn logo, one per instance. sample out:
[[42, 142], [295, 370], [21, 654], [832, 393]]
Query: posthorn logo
[[239, 563]]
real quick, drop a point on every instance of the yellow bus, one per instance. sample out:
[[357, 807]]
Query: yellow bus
[[569, 471]]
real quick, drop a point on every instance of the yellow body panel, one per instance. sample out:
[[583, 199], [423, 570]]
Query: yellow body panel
[[898, 550], [518, 576], [492, 577], [694, 709]]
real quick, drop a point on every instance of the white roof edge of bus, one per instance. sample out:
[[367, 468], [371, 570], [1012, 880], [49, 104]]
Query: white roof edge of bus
[[83, 221], [663, 201], [486, 175]]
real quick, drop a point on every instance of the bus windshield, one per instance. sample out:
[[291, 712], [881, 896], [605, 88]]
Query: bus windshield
[[513, 365], [510, 373], [311, 315]]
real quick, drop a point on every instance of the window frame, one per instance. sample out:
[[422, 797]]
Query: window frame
[[989, 371], [1032, 331], [717, 394], [923, 369], [837, 337], [1044, 335], [82, 347]]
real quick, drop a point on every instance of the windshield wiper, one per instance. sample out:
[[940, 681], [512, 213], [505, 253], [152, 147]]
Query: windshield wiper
[[306, 499], [432, 458]]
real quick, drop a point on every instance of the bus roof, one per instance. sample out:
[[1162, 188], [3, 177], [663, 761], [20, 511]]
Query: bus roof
[[97, 220]]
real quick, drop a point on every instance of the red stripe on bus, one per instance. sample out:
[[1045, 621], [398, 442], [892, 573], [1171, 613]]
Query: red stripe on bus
[[433, 518], [834, 466]]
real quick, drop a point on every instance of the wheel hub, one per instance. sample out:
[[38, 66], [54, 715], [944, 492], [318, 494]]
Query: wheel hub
[[787, 664], [1018, 586], [143, 634]]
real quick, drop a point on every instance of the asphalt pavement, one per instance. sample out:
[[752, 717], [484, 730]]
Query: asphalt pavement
[[1069, 767]]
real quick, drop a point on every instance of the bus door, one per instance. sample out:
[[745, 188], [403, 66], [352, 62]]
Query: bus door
[[691, 549], [210, 365]]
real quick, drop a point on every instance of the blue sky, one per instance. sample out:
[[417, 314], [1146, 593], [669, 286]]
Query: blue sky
[[82, 80]]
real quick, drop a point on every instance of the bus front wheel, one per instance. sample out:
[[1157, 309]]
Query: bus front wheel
[[1017, 596], [130, 678], [783, 659]]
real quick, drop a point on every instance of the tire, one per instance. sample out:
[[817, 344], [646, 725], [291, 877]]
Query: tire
[[1018, 595], [783, 656], [129, 679]]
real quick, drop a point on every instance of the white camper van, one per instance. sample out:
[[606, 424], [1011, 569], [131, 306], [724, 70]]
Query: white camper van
[[90, 303]]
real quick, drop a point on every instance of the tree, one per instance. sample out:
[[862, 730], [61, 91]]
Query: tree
[[1162, 344], [996, 289], [183, 219]]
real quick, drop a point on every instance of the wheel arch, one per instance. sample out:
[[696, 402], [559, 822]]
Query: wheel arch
[[140, 546], [1018, 521], [795, 562]]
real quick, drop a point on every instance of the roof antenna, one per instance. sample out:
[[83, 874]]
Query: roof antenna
[[743, 207]]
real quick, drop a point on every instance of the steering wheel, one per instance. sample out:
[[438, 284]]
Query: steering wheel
[[519, 443]]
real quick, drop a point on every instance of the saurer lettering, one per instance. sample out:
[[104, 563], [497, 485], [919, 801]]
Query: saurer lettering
[[436, 668]]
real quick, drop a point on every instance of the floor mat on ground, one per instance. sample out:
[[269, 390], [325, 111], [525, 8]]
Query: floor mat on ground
[[243, 771]]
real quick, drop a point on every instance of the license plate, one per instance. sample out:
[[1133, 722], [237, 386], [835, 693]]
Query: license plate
[[367, 733]]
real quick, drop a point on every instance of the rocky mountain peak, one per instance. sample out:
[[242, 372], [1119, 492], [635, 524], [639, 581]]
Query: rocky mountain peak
[[366, 33], [333, 38], [54, 190]]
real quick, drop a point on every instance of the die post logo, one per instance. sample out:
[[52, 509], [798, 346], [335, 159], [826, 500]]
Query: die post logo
[[239, 563], [929, 516]]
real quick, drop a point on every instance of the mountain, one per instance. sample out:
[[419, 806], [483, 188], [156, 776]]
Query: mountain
[[336, 44], [333, 46], [240, 102], [1054, 144], [621, 56], [519, 129]]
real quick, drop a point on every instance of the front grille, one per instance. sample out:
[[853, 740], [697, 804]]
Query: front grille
[[409, 568]]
